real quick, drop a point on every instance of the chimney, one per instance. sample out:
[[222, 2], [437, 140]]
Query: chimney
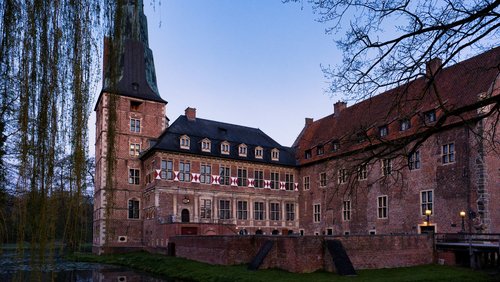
[[309, 121], [190, 113], [339, 107], [432, 66]]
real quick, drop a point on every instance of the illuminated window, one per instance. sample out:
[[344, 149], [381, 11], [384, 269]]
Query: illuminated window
[[135, 149]]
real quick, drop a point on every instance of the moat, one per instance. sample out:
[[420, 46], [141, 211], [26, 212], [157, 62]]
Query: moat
[[14, 268]]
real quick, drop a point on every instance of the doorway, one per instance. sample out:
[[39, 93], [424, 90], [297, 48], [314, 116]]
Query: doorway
[[185, 215]]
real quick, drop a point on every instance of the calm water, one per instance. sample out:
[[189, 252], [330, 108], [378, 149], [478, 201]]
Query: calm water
[[13, 268]]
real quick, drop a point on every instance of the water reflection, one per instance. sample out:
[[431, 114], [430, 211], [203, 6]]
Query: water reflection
[[13, 268]]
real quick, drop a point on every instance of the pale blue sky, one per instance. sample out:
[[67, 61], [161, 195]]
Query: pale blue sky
[[254, 62], [249, 62]]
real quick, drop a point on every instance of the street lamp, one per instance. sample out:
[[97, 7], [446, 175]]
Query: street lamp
[[428, 214], [462, 215]]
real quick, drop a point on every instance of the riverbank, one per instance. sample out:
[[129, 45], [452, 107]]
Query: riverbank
[[178, 268]]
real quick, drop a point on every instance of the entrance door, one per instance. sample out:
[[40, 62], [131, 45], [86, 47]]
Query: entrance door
[[429, 229], [185, 215]]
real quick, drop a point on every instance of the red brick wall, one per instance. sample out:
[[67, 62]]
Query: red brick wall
[[306, 253]]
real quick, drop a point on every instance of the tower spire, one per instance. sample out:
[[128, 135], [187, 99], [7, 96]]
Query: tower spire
[[136, 71]]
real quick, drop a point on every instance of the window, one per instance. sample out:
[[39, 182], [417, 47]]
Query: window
[[166, 169], [289, 182], [448, 153], [242, 150], [275, 155], [184, 171], [259, 152], [224, 209], [362, 172], [133, 209], [386, 167], [242, 210], [335, 145], [342, 176], [205, 173], [133, 176], [322, 179], [135, 149], [259, 211], [317, 213], [242, 177], [224, 173], [184, 142], [224, 148], [205, 208], [135, 125], [382, 207], [404, 124], [259, 179], [307, 154], [361, 137], [320, 150], [206, 145], [346, 210], [414, 160], [383, 131], [134, 105], [430, 116], [290, 211], [275, 180], [274, 211], [426, 201], [306, 183]]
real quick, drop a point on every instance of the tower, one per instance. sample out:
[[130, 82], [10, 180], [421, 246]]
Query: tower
[[129, 114]]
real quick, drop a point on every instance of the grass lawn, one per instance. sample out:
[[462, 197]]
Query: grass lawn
[[196, 271]]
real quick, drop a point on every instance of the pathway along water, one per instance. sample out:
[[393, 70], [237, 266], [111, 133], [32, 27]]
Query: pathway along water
[[13, 268]]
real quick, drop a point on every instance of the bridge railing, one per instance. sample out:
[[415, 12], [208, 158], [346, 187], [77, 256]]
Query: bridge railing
[[476, 238]]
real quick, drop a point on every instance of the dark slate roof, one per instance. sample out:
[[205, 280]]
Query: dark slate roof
[[458, 85], [137, 77], [218, 132]]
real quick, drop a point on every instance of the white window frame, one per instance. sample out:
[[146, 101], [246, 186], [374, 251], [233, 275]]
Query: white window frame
[[346, 210], [342, 176], [259, 152], [242, 210], [426, 204], [135, 125], [448, 153], [306, 183], [134, 149], [225, 148], [206, 145], [316, 213], [242, 150], [382, 207], [275, 154], [205, 208], [185, 142]]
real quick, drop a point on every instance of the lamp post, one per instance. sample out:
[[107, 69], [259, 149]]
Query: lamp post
[[428, 215], [462, 215]]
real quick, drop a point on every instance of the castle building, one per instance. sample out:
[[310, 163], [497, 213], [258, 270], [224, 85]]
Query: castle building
[[376, 167]]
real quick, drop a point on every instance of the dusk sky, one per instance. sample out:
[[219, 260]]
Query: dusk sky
[[254, 63]]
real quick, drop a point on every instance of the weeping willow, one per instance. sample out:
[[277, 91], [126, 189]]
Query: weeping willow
[[49, 73]]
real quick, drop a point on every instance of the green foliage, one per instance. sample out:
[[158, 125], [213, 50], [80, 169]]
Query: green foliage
[[179, 268]]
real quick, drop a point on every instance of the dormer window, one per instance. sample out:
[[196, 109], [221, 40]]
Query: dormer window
[[383, 131], [307, 154], [242, 150], [259, 152], [320, 150], [185, 142], [206, 145], [335, 145], [430, 116], [275, 154], [134, 105], [224, 148], [404, 124]]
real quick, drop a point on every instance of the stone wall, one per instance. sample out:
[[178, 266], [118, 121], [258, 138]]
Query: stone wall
[[307, 253]]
